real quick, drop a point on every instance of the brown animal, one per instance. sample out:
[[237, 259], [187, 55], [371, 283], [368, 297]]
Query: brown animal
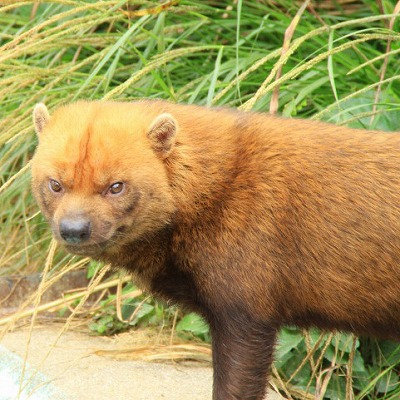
[[253, 221]]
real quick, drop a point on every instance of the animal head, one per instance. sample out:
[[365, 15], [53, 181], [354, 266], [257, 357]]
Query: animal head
[[99, 173]]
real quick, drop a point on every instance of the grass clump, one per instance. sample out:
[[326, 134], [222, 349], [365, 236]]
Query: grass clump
[[331, 60]]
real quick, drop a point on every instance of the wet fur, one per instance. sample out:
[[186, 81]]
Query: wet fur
[[253, 221]]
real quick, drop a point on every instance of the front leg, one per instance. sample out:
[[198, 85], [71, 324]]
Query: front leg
[[242, 356]]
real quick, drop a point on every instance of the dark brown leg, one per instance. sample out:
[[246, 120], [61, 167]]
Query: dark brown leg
[[242, 356]]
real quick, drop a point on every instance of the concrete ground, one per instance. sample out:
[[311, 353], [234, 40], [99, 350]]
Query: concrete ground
[[75, 372]]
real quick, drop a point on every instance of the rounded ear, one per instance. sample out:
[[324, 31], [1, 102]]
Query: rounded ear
[[162, 134], [41, 117]]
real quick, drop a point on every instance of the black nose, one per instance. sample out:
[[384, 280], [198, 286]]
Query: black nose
[[75, 231]]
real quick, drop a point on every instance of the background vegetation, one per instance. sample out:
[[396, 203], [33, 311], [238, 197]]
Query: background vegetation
[[331, 60]]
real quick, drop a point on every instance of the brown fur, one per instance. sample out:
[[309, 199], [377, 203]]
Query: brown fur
[[253, 221]]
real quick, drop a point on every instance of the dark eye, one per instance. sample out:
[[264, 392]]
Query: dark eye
[[55, 186], [116, 188]]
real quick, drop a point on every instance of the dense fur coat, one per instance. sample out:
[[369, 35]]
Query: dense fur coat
[[253, 221]]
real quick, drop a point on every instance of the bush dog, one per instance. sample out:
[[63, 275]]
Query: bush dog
[[253, 221]]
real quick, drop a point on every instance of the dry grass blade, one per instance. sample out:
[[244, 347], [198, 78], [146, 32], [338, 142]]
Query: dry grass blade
[[162, 352], [151, 11], [310, 353], [322, 383], [62, 302], [385, 61], [156, 346], [282, 385], [291, 391], [349, 374], [286, 44], [317, 365], [131, 295]]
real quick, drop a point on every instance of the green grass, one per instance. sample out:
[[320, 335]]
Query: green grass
[[341, 64]]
